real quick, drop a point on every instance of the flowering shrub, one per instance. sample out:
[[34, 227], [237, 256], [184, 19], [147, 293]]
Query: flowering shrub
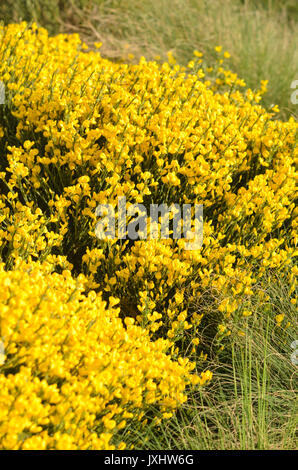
[[76, 131], [73, 374]]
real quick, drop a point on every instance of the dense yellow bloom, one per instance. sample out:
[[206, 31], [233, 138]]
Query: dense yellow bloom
[[91, 327], [71, 367]]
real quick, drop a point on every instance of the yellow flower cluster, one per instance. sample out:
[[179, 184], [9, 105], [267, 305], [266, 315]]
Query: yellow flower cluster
[[76, 131], [72, 374]]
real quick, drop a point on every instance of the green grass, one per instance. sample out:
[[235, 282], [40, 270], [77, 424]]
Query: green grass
[[262, 36], [251, 403]]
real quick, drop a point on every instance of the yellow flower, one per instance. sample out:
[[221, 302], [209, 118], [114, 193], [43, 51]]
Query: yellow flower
[[198, 54], [279, 318]]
